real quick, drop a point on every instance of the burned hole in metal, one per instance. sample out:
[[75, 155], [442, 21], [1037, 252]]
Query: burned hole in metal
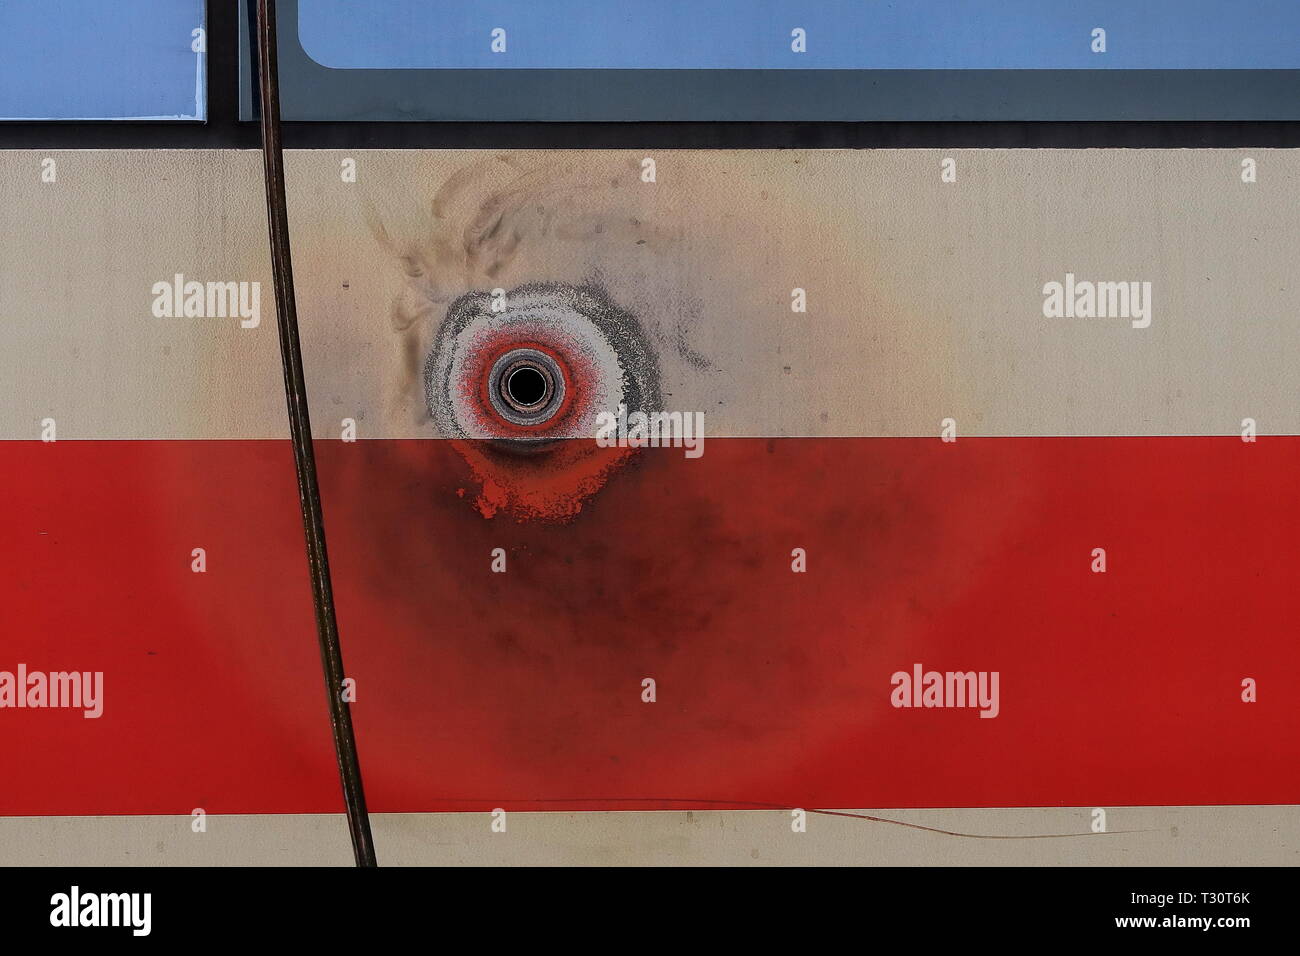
[[526, 386]]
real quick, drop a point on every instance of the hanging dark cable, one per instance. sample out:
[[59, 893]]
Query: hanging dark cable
[[295, 391]]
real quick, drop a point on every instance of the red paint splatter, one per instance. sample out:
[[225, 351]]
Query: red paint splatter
[[552, 484]]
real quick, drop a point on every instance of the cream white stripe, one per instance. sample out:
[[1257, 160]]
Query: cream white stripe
[[1160, 836], [924, 298]]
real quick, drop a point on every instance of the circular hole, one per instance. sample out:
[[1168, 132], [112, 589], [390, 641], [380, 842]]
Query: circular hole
[[526, 386]]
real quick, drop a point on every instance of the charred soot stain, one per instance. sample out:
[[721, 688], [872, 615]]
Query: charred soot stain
[[526, 682]]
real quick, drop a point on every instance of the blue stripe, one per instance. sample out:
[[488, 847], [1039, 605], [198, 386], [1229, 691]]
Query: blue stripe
[[841, 34], [95, 59]]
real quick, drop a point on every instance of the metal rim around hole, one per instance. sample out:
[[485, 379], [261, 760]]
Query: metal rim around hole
[[507, 406]]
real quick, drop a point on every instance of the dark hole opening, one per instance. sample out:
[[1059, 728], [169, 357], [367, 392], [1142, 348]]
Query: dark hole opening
[[526, 386]]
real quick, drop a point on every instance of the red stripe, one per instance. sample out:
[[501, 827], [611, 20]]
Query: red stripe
[[523, 689]]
